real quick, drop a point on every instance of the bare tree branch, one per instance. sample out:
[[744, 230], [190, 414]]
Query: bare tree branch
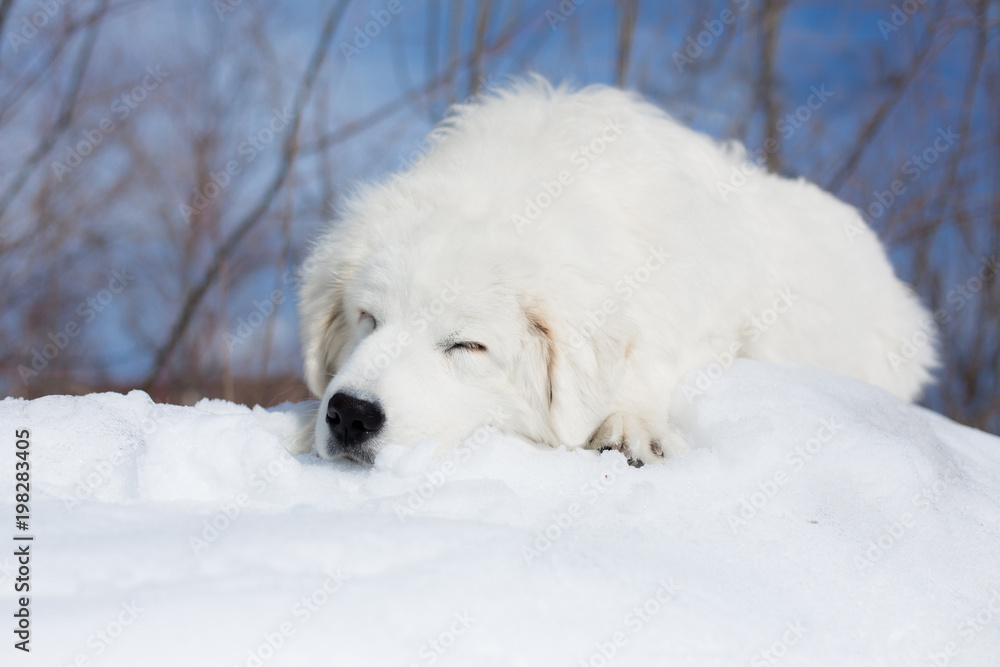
[[479, 46], [289, 152], [64, 118], [949, 191], [628, 14], [4, 11], [770, 18], [875, 122], [400, 102]]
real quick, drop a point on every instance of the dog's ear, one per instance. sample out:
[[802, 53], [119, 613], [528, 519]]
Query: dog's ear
[[324, 328], [582, 373]]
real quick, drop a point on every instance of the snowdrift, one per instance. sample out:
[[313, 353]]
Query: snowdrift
[[816, 521]]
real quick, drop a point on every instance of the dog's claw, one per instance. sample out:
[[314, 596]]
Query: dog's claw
[[632, 437]]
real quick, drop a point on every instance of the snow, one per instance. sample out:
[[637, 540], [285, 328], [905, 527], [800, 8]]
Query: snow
[[816, 521]]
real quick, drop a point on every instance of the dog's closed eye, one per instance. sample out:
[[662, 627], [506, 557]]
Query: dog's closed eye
[[467, 346], [366, 319]]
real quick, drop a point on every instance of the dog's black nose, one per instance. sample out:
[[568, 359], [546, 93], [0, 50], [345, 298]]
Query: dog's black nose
[[352, 420]]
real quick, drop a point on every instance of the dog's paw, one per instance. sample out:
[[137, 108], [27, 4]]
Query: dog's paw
[[302, 438], [636, 439]]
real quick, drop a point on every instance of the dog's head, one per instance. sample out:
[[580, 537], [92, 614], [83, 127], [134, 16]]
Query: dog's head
[[433, 305], [413, 336]]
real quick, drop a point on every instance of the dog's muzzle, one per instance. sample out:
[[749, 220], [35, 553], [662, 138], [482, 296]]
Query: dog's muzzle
[[352, 423]]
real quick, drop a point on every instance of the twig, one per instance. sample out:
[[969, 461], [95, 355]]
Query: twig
[[289, 152], [393, 106], [881, 114], [626, 33], [770, 18], [63, 120]]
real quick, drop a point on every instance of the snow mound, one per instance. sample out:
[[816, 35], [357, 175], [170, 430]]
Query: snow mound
[[816, 521]]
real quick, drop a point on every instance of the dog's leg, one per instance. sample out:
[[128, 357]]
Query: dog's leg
[[639, 440], [639, 424], [304, 435]]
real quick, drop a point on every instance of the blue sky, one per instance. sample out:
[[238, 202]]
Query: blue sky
[[839, 46]]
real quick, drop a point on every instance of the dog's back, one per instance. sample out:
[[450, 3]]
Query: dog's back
[[739, 238]]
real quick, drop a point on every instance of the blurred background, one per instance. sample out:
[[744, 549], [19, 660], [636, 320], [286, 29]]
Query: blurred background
[[165, 164]]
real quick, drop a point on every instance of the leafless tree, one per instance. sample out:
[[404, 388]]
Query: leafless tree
[[210, 249]]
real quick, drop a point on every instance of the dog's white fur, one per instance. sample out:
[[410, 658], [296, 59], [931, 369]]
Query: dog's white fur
[[583, 238]]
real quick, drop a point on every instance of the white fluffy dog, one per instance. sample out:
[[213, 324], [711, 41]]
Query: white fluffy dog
[[557, 264]]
